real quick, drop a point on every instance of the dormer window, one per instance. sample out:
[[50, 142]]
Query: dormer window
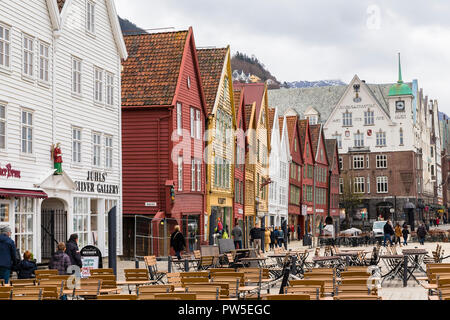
[[313, 119]]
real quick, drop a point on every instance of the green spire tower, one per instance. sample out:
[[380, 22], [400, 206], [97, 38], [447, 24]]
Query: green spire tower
[[400, 88]]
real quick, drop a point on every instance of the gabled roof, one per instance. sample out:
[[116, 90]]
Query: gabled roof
[[271, 117], [291, 123], [323, 99], [60, 4], [150, 74], [330, 145], [315, 136], [211, 63], [254, 93]]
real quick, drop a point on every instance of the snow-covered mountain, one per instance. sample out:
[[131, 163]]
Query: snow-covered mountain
[[309, 84]]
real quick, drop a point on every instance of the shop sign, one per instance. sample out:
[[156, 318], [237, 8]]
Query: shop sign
[[319, 210], [310, 209], [95, 183], [151, 204], [8, 172], [304, 210], [91, 258]]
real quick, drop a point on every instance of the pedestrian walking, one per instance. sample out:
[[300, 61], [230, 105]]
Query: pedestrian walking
[[8, 260], [60, 260], [280, 237], [285, 229], [236, 233], [388, 232], [271, 237], [73, 251], [421, 233], [437, 221], [288, 235], [177, 241], [398, 234], [26, 267], [276, 235], [225, 233], [219, 228], [299, 232], [405, 233]]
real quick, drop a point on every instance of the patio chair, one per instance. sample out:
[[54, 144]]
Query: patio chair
[[288, 297], [99, 272], [176, 296], [23, 293], [44, 274], [152, 266], [207, 262], [117, 297], [174, 278], [22, 282], [205, 292], [357, 297]]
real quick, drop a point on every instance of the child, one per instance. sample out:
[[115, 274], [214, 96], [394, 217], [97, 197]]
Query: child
[[405, 233], [26, 267]]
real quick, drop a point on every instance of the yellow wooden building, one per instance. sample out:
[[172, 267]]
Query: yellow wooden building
[[215, 68]]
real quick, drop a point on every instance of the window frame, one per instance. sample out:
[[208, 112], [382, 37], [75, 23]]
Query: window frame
[[90, 17], [27, 127], [78, 142], [180, 172], [381, 140], [99, 85], [369, 117], [380, 159], [98, 163], [179, 111], [28, 55], [358, 162], [44, 60], [109, 84], [347, 119], [382, 181], [77, 76], [359, 184], [6, 55], [109, 151], [358, 139], [4, 121]]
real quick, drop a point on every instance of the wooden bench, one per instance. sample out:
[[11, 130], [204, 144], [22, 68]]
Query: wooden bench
[[24, 293], [205, 292]]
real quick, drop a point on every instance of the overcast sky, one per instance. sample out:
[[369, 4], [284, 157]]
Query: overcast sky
[[320, 39]]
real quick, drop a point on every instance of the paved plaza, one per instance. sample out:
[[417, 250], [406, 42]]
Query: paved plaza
[[391, 289]]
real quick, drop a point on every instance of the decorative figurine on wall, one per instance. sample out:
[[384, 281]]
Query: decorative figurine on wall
[[57, 158]]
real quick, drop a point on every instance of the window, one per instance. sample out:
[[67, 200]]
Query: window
[[341, 163], [310, 171], [179, 120], [198, 124], [381, 161], [76, 145], [283, 170], [4, 212], [299, 173], [43, 62], [338, 138], [90, 17], [76, 76], [382, 185], [24, 218], [368, 184], [347, 119], [401, 137], [432, 170], [5, 46], [257, 150], [309, 193], [96, 149], [359, 185], [27, 132], [313, 120], [109, 89], [368, 162], [341, 185], [358, 162], [381, 139], [369, 118], [295, 144], [192, 119], [193, 172], [180, 173], [108, 151], [2, 127], [80, 220], [359, 140], [28, 56], [98, 85]]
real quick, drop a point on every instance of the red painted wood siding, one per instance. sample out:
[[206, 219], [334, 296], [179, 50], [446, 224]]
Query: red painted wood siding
[[323, 165], [298, 161], [238, 173], [145, 159], [308, 159]]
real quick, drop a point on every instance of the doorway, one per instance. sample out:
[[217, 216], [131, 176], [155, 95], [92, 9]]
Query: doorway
[[53, 226]]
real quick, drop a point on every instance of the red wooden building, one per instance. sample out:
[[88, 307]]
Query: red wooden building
[[241, 147], [333, 177], [308, 172], [321, 171], [295, 174], [163, 116]]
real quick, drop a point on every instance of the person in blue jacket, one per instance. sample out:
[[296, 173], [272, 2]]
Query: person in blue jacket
[[8, 260]]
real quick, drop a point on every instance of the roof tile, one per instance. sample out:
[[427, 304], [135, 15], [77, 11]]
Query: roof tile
[[211, 62], [150, 74]]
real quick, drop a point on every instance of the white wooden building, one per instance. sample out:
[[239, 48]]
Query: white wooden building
[[60, 68], [279, 162]]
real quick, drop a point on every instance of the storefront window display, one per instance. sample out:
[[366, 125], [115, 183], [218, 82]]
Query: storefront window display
[[24, 218]]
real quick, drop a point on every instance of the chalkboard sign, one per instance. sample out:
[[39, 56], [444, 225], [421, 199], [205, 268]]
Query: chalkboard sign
[[91, 258], [226, 245]]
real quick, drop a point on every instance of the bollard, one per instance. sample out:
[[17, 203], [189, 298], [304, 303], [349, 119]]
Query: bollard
[[405, 271], [169, 264], [186, 265], [136, 263]]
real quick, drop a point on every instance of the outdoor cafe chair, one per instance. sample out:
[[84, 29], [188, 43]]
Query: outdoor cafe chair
[[116, 297], [41, 274], [24, 293], [288, 297], [88, 288], [357, 297], [205, 292], [176, 296], [99, 272], [22, 282], [174, 278], [152, 266], [5, 295]]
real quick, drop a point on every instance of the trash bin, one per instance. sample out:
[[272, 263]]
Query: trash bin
[[307, 240]]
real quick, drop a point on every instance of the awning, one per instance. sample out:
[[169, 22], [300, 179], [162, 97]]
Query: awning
[[159, 216], [22, 193]]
